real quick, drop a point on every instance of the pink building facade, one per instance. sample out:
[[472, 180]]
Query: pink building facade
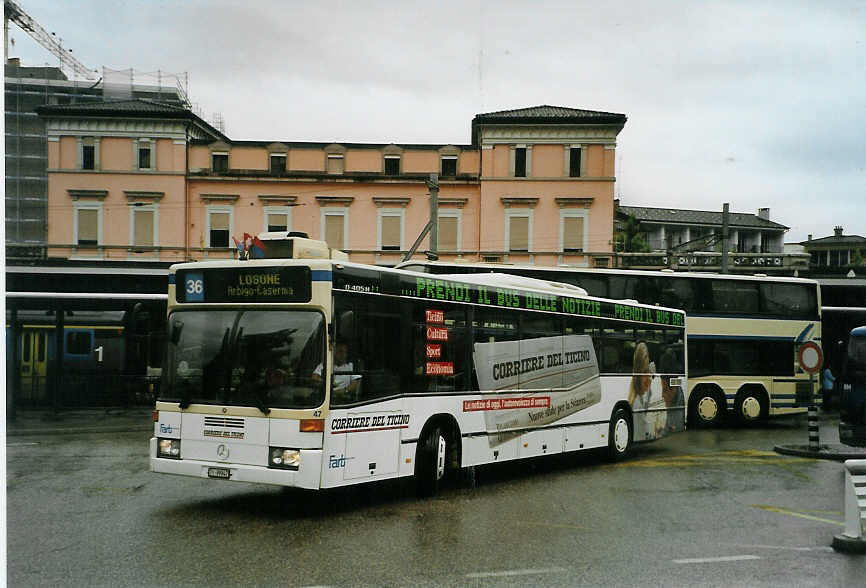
[[144, 181]]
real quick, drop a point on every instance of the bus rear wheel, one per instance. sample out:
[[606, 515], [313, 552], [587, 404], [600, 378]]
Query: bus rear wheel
[[619, 435], [751, 404], [706, 407], [430, 464]]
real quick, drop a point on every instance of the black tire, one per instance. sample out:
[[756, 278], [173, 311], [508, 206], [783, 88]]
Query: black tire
[[751, 405], [430, 463], [707, 408], [620, 435]]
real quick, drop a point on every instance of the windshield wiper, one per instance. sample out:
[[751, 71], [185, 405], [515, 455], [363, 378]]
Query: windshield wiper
[[260, 403], [258, 398]]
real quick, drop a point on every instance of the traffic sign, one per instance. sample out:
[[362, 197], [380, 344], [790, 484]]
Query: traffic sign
[[811, 357]]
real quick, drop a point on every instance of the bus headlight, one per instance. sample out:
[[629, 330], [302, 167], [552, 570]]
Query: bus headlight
[[168, 448], [287, 459]]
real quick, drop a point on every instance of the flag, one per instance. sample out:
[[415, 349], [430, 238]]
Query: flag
[[257, 248], [240, 246]]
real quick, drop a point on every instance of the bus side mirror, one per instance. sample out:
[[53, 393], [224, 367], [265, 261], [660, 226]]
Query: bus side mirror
[[176, 330]]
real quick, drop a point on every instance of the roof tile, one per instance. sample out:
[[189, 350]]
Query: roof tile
[[698, 217]]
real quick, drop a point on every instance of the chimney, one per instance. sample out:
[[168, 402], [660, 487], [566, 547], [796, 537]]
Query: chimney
[[764, 213], [809, 238], [837, 230]]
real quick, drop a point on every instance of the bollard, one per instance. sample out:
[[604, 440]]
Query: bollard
[[814, 439], [851, 541]]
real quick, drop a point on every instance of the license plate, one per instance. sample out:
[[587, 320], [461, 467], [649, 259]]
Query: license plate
[[223, 473]]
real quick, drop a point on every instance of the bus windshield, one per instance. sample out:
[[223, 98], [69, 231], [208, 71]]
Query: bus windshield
[[261, 358], [856, 353]]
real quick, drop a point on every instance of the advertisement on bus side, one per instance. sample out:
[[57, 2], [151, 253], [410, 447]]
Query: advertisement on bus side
[[551, 377]]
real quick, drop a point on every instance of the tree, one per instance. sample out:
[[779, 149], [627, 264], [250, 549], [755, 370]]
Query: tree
[[629, 238]]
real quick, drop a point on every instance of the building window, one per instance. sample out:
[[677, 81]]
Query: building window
[[88, 153], [520, 162], [88, 157], [335, 163], [278, 218], [144, 224], [392, 165], [574, 162], [390, 230], [278, 164], [219, 162], [144, 156], [219, 224], [449, 166], [88, 224], [449, 230], [572, 231], [335, 227], [518, 230]]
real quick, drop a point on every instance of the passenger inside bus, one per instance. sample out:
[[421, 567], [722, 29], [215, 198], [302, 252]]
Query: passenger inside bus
[[346, 385]]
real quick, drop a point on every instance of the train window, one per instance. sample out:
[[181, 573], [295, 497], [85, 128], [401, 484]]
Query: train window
[[78, 343], [40, 347], [25, 347]]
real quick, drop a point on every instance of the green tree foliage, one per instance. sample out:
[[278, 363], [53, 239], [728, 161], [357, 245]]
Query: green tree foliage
[[629, 238]]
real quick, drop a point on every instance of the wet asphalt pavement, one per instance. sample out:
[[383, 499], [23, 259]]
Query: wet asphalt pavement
[[715, 508]]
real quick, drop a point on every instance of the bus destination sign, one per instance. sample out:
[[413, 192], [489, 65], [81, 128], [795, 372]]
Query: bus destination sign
[[254, 284]]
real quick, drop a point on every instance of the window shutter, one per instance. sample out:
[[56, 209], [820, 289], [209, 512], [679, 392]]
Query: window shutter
[[448, 233], [219, 221], [519, 233], [143, 227], [88, 226], [335, 165], [572, 233], [278, 222], [390, 232], [334, 231]]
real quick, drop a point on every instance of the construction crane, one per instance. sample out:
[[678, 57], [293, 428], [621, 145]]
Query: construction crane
[[48, 40]]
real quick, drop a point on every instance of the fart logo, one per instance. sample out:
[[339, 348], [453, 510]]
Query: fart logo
[[335, 462], [165, 429]]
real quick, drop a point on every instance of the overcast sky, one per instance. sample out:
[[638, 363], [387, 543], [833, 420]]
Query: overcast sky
[[759, 104]]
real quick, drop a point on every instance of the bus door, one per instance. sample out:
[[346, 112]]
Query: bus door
[[34, 362]]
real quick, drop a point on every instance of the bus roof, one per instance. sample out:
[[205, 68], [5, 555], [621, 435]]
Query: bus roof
[[504, 280], [601, 271], [516, 282]]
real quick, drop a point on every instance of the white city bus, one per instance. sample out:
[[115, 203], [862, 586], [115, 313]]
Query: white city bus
[[319, 373], [744, 331]]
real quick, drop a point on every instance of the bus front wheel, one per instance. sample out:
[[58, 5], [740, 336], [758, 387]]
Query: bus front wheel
[[706, 407], [430, 463], [620, 435]]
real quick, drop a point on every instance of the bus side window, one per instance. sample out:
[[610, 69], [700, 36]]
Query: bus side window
[[788, 300], [440, 348], [492, 326], [373, 334]]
